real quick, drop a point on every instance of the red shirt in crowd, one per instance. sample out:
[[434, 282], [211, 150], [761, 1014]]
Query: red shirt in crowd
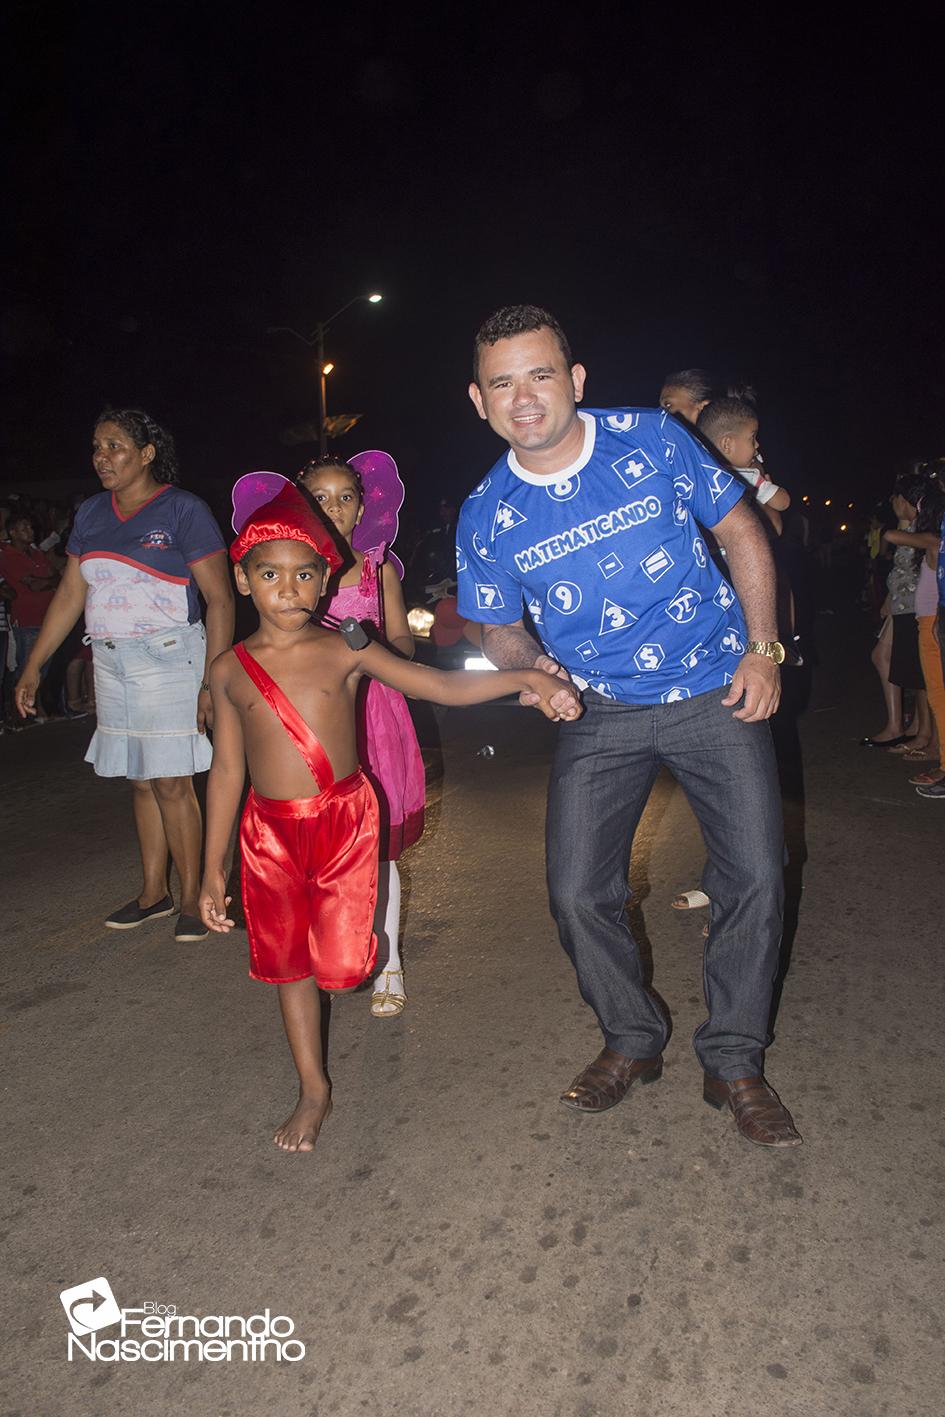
[[30, 606]]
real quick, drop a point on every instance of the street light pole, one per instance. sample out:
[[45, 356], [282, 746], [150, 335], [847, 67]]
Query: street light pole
[[317, 339], [322, 401]]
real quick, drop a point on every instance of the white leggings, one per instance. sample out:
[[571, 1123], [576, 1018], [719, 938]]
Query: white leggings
[[387, 916]]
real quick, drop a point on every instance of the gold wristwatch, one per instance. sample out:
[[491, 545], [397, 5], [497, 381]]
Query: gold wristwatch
[[771, 649]]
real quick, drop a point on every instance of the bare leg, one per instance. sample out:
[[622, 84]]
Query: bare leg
[[882, 651], [301, 1013], [180, 813], [152, 844], [389, 996], [74, 683], [924, 728]]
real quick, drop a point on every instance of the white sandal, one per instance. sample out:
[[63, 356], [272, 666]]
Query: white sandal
[[389, 1002], [691, 900]]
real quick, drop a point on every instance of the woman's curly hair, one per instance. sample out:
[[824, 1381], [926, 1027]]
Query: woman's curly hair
[[141, 428]]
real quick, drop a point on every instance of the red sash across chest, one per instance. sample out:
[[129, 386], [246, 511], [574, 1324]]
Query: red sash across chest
[[292, 721]]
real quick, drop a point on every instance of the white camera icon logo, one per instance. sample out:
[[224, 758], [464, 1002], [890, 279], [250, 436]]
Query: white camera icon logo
[[90, 1306]]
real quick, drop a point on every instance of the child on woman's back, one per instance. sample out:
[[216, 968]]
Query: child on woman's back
[[284, 700], [731, 426]]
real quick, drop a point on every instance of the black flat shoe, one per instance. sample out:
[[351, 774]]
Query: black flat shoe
[[132, 914], [189, 928], [887, 742]]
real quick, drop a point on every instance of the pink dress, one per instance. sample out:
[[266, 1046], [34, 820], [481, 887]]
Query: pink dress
[[387, 741]]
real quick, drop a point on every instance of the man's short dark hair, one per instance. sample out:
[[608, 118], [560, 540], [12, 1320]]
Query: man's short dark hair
[[514, 320], [724, 416]]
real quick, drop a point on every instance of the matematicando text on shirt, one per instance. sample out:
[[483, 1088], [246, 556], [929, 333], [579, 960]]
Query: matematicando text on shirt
[[609, 560]]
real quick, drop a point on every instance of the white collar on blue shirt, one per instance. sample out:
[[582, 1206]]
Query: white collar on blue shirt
[[562, 475]]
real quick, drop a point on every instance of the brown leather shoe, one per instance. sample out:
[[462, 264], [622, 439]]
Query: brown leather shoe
[[607, 1080], [759, 1113]]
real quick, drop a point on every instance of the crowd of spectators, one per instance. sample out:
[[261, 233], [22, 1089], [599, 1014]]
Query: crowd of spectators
[[34, 531], [33, 536], [907, 550]]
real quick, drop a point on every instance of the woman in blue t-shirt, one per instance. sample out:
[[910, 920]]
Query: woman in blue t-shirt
[[139, 553]]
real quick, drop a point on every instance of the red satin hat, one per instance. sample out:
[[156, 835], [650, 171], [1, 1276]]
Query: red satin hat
[[286, 517]]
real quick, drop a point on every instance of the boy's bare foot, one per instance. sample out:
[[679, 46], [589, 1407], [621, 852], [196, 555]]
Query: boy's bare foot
[[300, 1131]]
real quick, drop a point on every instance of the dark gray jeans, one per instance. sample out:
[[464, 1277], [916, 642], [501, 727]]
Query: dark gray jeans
[[604, 768]]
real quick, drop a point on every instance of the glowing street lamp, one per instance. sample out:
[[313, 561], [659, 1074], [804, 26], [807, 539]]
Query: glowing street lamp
[[324, 371], [317, 338]]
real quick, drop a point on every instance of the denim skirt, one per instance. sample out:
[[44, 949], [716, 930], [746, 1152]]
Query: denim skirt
[[146, 704]]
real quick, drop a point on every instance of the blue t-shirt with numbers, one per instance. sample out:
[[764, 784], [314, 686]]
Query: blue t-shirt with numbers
[[608, 558]]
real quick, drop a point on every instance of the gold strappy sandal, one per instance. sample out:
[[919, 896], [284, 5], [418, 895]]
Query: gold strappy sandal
[[387, 1002]]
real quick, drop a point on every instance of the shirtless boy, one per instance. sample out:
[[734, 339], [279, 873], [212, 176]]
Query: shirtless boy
[[284, 701]]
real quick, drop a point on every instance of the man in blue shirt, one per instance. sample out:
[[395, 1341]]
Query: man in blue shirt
[[591, 522]]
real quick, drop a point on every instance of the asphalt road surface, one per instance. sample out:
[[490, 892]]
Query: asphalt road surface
[[461, 1243]]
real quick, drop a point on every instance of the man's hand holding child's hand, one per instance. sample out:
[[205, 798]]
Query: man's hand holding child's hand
[[555, 699]]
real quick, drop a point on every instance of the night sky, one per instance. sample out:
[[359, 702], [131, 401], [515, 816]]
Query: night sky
[[761, 201]]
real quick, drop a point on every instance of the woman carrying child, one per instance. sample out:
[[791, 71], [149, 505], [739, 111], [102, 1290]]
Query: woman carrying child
[[361, 498], [730, 426]]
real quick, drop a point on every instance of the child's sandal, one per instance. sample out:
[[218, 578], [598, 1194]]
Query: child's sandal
[[389, 1002], [691, 900]]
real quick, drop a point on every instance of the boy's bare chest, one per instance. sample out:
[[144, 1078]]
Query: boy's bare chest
[[315, 679], [319, 699], [323, 697]]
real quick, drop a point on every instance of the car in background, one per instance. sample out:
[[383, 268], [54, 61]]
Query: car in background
[[443, 638]]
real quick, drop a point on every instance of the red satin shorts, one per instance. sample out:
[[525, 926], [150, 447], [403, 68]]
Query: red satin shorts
[[310, 885]]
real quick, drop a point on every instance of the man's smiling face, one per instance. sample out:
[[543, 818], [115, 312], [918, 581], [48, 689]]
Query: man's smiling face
[[526, 391]]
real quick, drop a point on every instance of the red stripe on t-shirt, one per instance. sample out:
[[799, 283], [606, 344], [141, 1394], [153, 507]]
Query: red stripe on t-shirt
[[220, 551], [138, 565]]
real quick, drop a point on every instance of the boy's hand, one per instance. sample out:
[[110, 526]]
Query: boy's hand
[[547, 693], [213, 903]]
